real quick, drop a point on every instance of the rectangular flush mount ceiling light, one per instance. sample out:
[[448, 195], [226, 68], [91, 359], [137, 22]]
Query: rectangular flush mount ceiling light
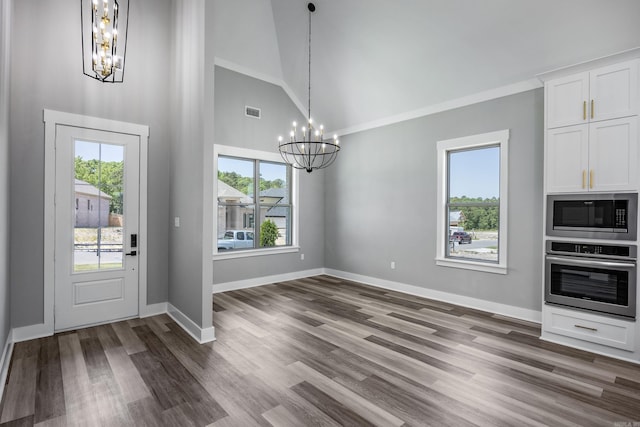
[[105, 25]]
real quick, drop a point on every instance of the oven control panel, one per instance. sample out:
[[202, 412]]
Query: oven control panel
[[573, 248]]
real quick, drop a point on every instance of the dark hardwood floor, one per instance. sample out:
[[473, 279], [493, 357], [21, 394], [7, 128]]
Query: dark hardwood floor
[[318, 352]]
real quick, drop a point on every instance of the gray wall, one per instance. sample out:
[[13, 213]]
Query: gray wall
[[46, 72], [381, 201], [5, 310], [188, 199], [232, 92]]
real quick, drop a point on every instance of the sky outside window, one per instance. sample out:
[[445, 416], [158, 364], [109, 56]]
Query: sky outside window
[[475, 173]]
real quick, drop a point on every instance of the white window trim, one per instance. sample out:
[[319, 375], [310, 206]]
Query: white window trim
[[226, 150], [500, 137]]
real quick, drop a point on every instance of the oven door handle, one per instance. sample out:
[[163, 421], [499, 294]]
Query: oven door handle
[[592, 262]]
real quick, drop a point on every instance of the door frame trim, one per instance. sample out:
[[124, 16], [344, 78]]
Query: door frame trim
[[53, 119]]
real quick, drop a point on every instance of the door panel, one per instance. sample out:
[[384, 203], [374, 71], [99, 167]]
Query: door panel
[[567, 100], [614, 91], [97, 208], [567, 159], [613, 155]]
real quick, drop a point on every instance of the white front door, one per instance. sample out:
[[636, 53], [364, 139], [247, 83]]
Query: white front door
[[96, 226]]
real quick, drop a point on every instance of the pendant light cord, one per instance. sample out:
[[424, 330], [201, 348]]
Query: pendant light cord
[[309, 101]]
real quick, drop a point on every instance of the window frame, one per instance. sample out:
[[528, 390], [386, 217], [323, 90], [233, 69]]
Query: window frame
[[255, 155], [498, 138]]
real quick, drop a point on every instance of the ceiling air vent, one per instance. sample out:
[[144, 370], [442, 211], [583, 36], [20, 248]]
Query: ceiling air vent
[[252, 112]]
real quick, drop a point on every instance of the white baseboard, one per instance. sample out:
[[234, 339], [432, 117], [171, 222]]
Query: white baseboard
[[40, 330], [31, 332], [5, 361], [476, 303], [201, 335], [154, 309], [265, 280]]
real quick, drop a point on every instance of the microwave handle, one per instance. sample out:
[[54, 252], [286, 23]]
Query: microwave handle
[[592, 262]]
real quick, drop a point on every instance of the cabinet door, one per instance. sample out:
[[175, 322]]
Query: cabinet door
[[567, 159], [614, 91], [613, 155], [566, 100]]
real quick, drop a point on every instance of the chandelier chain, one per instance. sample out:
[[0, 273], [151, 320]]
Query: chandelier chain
[[309, 100]]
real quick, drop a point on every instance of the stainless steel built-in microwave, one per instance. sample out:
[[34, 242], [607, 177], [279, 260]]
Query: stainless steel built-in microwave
[[611, 216]]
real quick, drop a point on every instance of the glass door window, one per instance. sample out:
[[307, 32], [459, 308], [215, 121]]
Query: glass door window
[[98, 203]]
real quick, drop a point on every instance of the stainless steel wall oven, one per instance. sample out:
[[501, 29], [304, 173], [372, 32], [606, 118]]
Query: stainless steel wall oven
[[596, 277]]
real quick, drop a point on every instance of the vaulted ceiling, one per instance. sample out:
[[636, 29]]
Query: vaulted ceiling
[[376, 59]]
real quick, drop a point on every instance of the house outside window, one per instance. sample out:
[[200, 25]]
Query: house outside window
[[256, 203], [472, 202]]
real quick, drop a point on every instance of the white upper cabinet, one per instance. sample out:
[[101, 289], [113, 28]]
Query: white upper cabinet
[[613, 155], [592, 130], [614, 91], [601, 94], [567, 161], [567, 100], [600, 156]]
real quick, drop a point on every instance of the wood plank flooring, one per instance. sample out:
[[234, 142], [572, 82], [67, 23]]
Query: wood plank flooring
[[318, 352]]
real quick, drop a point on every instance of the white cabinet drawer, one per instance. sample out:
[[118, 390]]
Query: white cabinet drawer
[[589, 327]]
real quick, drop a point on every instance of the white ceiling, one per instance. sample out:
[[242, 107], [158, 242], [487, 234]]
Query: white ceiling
[[374, 59]]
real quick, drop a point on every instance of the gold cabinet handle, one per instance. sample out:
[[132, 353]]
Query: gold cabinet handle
[[584, 110], [584, 179], [586, 327], [591, 178], [593, 108]]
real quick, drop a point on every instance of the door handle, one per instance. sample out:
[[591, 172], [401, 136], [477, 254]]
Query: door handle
[[584, 178], [132, 253], [593, 108], [591, 262], [584, 110], [591, 178]]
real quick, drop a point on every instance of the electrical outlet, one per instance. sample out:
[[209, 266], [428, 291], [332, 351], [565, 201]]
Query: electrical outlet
[[301, 257], [393, 265], [176, 221]]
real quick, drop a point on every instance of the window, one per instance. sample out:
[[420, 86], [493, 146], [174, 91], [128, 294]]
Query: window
[[472, 202], [256, 203]]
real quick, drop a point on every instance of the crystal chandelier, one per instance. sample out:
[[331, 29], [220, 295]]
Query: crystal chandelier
[[105, 23], [306, 148]]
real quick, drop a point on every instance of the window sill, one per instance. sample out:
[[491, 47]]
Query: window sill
[[472, 265], [254, 252]]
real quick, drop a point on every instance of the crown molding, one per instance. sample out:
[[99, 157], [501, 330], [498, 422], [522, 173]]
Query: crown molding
[[602, 61], [464, 101], [487, 95]]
